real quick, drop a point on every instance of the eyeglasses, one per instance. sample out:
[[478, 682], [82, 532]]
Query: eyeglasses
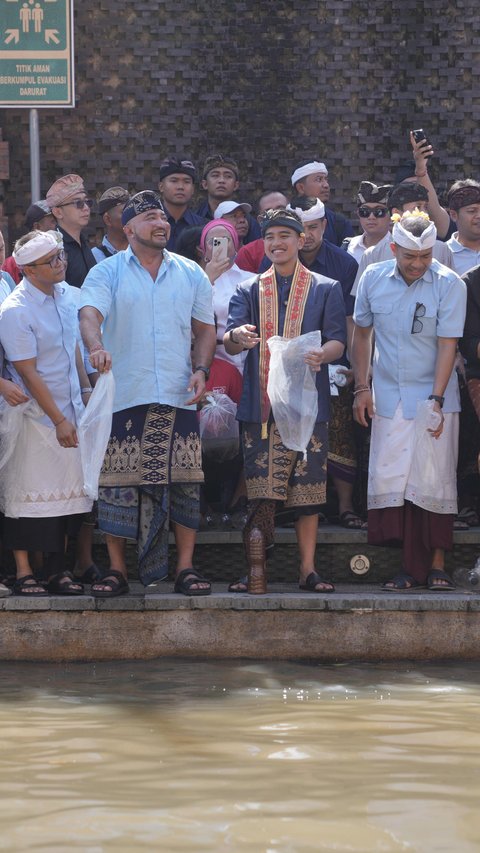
[[417, 324], [377, 212], [57, 259], [80, 203]]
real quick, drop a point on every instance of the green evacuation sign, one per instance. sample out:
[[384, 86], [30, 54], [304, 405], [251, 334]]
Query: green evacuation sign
[[36, 53]]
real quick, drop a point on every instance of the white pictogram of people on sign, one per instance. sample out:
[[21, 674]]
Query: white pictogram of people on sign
[[31, 14]]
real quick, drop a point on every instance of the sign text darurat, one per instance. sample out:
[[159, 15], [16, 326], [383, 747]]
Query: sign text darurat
[[36, 53]]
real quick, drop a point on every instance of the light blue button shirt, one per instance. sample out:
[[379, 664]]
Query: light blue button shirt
[[5, 291], [35, 325], [6, 279], [463, 258], [147, 324], [404, 363], [99, 255]]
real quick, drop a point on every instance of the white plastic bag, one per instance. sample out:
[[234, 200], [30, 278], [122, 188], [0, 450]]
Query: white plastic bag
[[426, 476], [219, 427], [292, 390], [94, 430]]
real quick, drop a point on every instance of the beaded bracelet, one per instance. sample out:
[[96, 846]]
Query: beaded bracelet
[[361, 390]]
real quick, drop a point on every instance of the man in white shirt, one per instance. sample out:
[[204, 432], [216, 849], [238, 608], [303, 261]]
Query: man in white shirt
[[405, 196], [42, 483], [464, 204], [372, 212]]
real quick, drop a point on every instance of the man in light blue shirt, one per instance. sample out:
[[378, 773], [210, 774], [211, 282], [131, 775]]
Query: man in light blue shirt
[[110, 207], [139, 309], [416, 308]]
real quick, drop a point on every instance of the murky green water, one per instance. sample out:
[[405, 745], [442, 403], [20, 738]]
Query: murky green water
[[239, 756]]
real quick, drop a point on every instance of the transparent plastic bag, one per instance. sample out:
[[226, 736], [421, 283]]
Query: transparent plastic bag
[[292, 389], [219, 427], [93, 431], [425, 473]]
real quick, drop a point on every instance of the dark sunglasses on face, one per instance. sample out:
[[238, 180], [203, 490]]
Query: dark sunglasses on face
[[377, 212], [80, 203]]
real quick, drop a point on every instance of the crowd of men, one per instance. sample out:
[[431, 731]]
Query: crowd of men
[[180, 305]]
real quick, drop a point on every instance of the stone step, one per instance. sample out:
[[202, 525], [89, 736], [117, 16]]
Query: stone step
[[220, 556]]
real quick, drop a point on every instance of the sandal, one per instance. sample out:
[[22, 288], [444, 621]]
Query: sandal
[[350, 520], [186, 579], [91, 575], [402, 582], [30, 587], [436, 575], [242, 582], [115, 580], [64, 583], [311, 582], [468, 516]]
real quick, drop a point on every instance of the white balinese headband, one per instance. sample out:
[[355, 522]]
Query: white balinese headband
[[407, 240], [315, 212], [308, 169], [40, 245]]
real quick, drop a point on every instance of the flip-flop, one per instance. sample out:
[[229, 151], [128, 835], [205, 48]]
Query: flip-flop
[[439, 575], [402, 583]]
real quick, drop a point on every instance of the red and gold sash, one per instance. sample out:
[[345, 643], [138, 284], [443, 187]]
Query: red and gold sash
[[268, 302]]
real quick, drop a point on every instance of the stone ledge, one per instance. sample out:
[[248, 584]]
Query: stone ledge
[[348, 598], [326, 635]]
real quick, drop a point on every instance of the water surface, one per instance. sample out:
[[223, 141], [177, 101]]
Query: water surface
[[178, 755]]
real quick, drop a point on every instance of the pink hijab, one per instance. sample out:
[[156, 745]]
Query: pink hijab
[[224, 224]]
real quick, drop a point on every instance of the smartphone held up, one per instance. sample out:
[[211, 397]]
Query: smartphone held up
[[419, 135]]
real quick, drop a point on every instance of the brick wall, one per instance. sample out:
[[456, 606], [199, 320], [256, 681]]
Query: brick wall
[[269, 83]]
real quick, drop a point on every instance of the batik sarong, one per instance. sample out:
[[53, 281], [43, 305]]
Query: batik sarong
[[342, 452], [274, 472], [151, 476]]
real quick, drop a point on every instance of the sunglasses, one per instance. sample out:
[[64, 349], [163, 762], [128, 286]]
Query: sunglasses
[[377, 212], [417, 324], [80, 203], [57, 259]]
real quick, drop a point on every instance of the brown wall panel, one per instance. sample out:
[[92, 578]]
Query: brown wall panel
[[269, 83]]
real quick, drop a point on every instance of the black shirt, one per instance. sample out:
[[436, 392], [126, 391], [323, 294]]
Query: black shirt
[[80, 258]]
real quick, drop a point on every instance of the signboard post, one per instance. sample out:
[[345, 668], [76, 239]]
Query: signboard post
[[36, 53]]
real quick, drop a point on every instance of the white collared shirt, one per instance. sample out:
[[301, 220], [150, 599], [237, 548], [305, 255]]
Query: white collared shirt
[[36, 325], [463, 257]]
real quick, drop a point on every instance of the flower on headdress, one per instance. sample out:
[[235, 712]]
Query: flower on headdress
[[418, 213], [395, 217]]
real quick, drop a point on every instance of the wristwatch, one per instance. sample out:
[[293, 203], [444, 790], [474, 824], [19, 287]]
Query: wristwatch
[[438, 399], [206, 371], [230, 335]]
